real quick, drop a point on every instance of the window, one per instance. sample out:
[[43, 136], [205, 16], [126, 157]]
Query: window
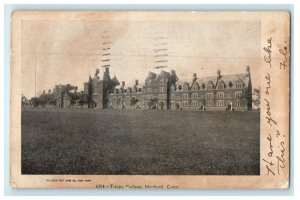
[[149, 90], [220, 86], [178, 97], [185, 103], [185, 96], [161, 89], [127, 98], [172, 103], [185, 88], [209, 87], [220, 95], [172, 96], [194, 103], [209, 95], [238, 94], [209, 103], [239, 85], [194, 96], [195, 87], [220, 103], [237, 103]]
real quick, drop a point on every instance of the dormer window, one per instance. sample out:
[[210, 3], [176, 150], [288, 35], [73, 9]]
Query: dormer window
[[220, 86], [185, 88], [239, 85], [209, 87]]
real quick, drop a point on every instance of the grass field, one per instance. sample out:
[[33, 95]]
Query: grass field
[[62, 141]]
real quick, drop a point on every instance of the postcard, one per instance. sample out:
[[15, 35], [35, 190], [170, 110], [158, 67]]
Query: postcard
[[150, 99]]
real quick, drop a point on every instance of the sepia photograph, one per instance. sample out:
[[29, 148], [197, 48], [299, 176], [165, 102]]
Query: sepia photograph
[[148, 94]]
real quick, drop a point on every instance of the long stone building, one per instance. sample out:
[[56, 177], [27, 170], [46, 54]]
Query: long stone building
[[165, 91]]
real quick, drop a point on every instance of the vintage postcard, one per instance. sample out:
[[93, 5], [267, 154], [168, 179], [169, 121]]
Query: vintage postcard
[[149, 99]]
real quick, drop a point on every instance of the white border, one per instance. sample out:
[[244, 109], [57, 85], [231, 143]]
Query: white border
[[295, 76]]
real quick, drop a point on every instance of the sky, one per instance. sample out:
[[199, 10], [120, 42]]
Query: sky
[[66, 51]]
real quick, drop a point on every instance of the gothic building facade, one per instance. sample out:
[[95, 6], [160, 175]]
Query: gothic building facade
[[97, 90], [164, 91]]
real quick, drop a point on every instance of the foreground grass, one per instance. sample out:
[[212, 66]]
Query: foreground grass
[[140, 142]]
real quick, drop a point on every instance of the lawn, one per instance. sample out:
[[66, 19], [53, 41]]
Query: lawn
[[141, 142]]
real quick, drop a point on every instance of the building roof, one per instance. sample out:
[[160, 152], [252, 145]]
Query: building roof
[[115, 80], [163, 74], [226, 79]]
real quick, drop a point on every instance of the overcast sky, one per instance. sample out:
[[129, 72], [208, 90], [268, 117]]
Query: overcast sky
[[67, 51]]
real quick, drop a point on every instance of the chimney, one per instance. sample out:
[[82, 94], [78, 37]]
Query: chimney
[[219, 73], [173, 72], [248, 70], [136, 83], [194, 77], [123, 83]]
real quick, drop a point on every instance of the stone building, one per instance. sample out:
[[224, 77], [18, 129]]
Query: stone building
[[165, 91], [62, 97], [98, 90]]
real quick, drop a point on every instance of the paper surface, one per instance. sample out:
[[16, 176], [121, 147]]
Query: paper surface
[[49, 48]]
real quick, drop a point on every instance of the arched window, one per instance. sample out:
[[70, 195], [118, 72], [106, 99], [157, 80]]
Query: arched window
[[238, 94], [195, 86], [209, 86], [220, 85], [185, 87], [239, 85]]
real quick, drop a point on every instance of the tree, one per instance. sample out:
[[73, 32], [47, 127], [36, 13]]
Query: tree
[[35, 101], [256, 98], [24, 100]]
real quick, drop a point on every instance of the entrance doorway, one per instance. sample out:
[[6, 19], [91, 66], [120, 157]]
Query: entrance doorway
[[229, 106]]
